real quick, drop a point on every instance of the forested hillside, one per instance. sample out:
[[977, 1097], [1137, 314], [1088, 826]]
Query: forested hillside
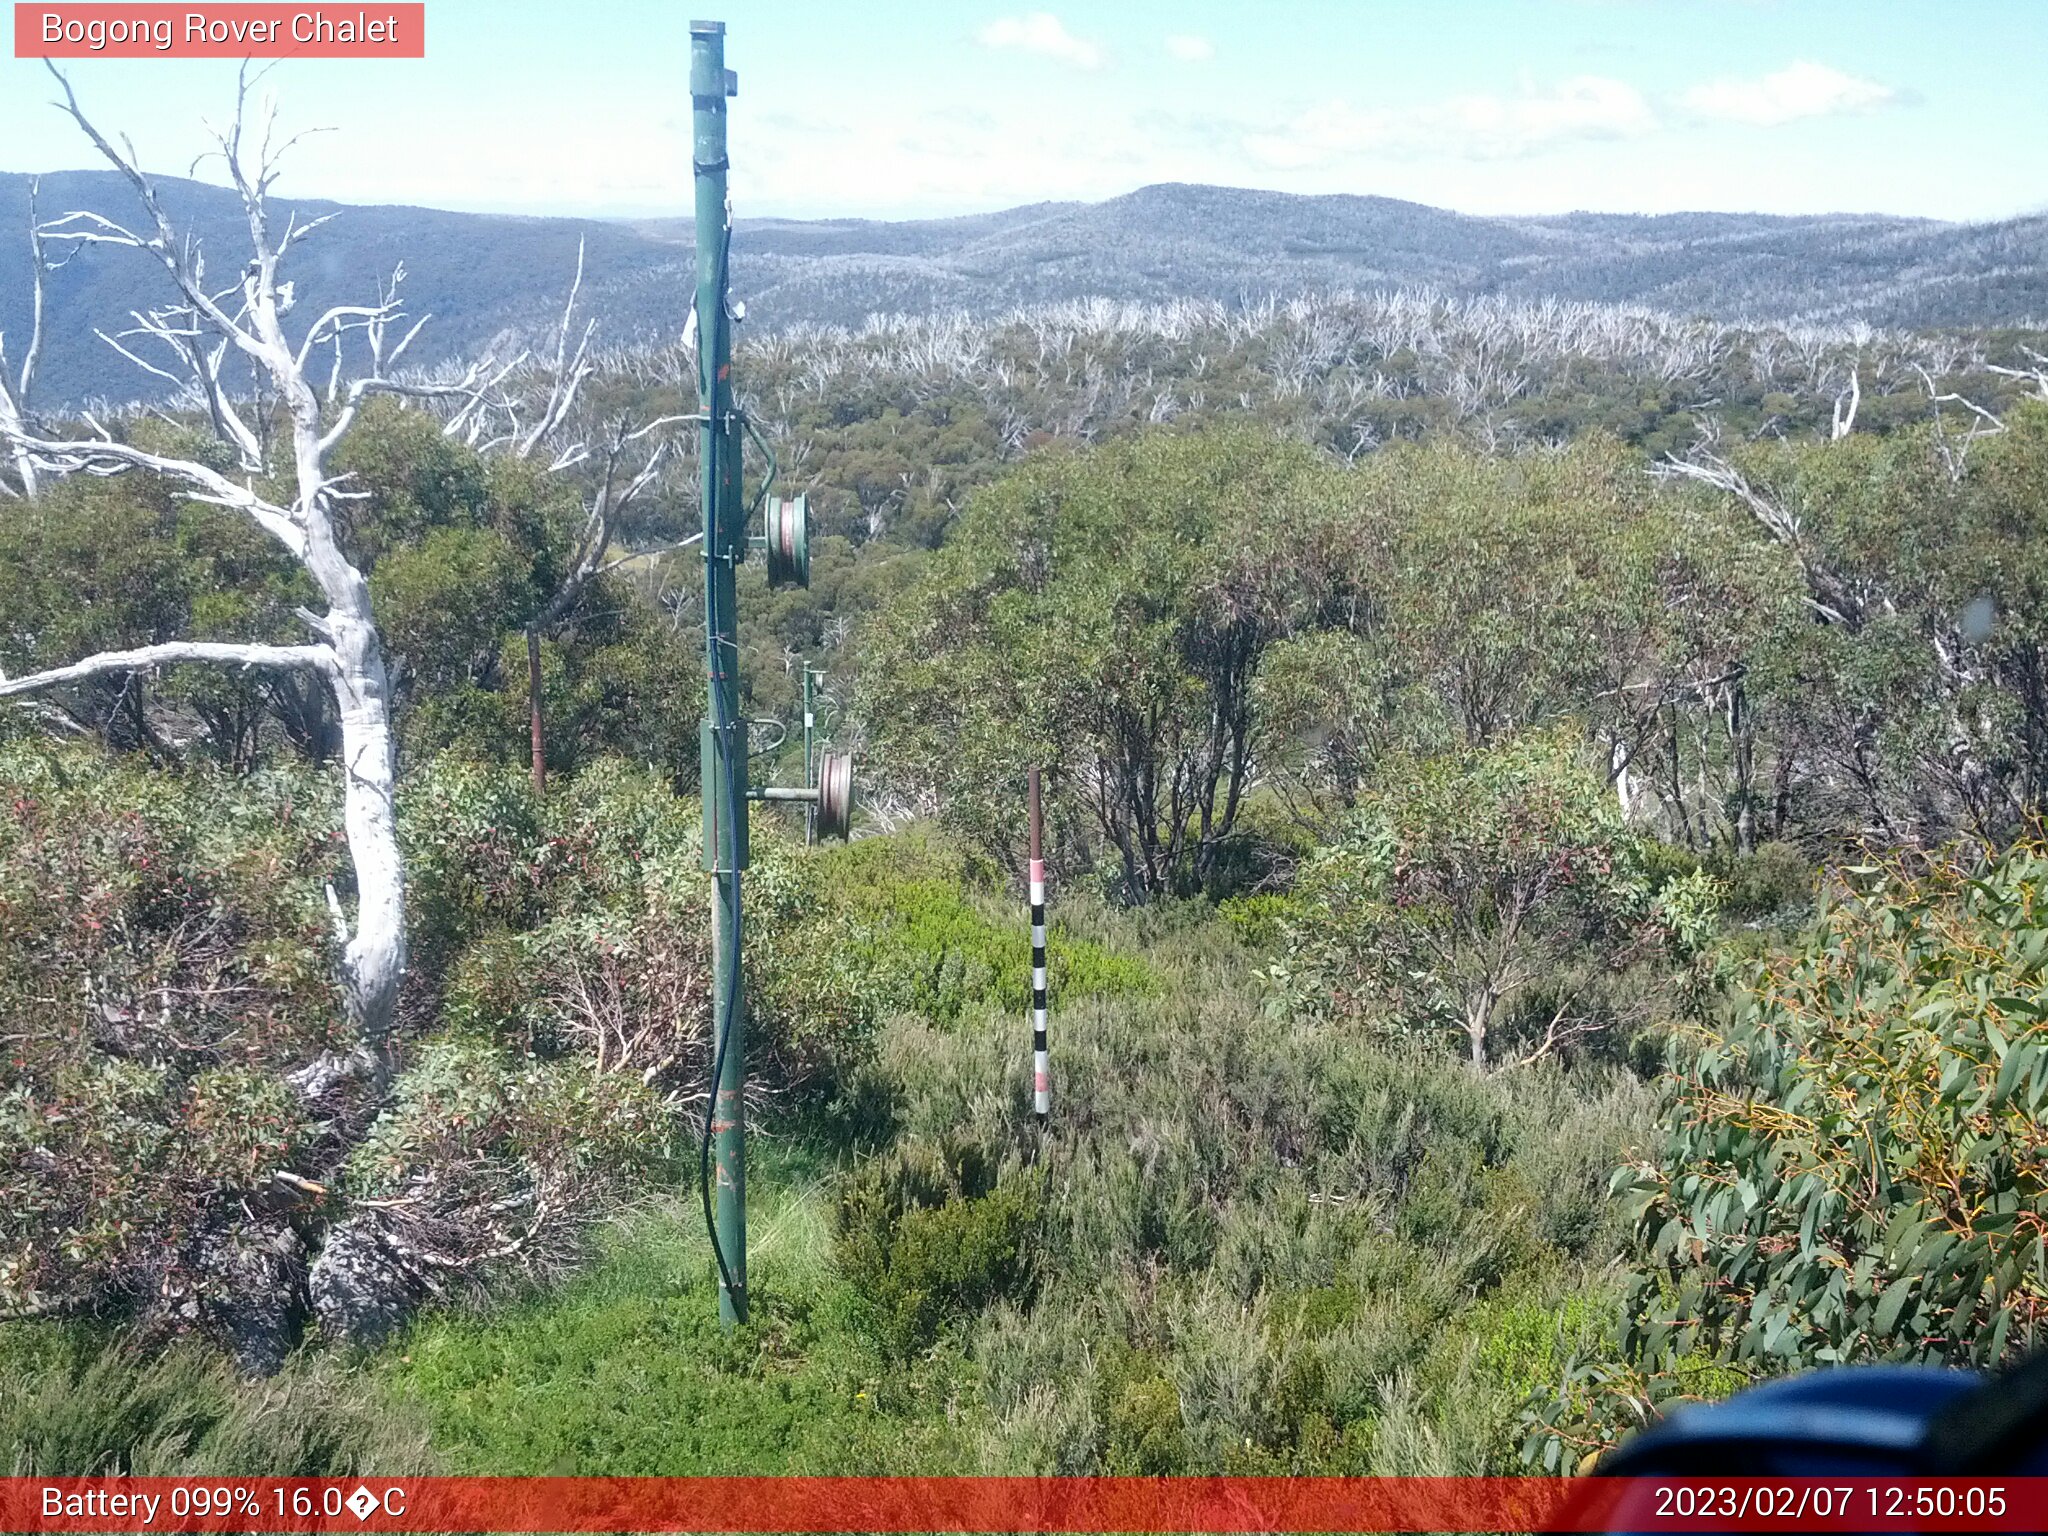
[[1544, 827], [487, 277]]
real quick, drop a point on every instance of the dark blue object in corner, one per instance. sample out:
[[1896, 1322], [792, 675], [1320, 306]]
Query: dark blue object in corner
[[1869, 1421]]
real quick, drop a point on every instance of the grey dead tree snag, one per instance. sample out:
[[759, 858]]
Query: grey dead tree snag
[[17, 391], [2034, 372], [206, 326], [1848, 401], [625, 460], [1955, 451]]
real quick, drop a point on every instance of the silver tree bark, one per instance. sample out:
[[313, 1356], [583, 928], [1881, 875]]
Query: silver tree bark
[[15, 392]]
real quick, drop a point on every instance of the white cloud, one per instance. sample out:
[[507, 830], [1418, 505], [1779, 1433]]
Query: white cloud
[[1800, 90], [910, 159], [1466, 127], [1190, 48], [1042, 33]]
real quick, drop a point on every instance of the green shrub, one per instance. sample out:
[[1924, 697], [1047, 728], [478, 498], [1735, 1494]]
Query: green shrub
[[474, 853], [173, 928], [906, 922], [547, 1124], [579, 925], [489, 991], [1853, 1169], [1487, 894], [926, 1236], [1144, 1433], [164, 959], [1773, 885], [1525, 1341], [1260, 921]]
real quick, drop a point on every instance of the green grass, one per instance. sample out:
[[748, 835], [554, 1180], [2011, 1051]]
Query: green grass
[[627, 1372], [77, 1401]]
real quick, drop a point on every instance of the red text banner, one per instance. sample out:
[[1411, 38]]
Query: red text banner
[[118, 31], [1084, 1504]]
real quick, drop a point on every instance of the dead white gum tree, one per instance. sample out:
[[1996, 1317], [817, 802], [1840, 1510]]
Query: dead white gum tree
[[213, 333], [16, 388]]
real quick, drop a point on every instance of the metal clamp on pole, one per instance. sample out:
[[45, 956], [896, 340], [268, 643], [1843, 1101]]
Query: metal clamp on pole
[[722, 763]]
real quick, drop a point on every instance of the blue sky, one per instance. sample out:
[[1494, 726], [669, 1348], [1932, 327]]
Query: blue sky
[[914, 107]]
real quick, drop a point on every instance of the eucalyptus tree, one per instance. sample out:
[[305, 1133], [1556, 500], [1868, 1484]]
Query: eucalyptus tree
[[1913, 703], [1102, 615], [1486, 889]]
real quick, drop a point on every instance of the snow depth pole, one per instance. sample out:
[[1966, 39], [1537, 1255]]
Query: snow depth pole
[[722, 742], [1041, 1058]]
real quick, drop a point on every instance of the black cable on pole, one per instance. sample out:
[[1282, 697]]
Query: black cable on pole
[[729, 835], [728, 831]]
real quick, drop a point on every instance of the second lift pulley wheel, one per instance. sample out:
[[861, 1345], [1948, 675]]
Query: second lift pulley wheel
[[835, 795], [788, 537]]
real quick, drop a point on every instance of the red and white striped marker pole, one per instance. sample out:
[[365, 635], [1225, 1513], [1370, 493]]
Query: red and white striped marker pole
[[1041, 1058]]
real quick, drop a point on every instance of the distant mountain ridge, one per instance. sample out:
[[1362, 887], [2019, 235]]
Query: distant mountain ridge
[[484, 276]]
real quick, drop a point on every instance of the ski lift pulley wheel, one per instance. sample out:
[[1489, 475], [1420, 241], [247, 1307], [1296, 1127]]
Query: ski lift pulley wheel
[[789, 541], [835, 795]]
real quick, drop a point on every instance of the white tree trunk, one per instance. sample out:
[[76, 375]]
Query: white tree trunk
[[374, 958], [1478, 1022], [15, 392]]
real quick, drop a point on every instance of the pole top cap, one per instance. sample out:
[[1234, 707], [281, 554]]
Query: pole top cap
[[707, 28]]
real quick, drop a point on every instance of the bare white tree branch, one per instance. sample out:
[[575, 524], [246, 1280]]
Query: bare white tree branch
[[1955, 453], [568, 374], [2037, 375], [1847, 402], [103, 455], [1829, 598], [317, 658]]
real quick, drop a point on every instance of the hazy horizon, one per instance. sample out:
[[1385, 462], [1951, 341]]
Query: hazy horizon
[[682, 212]]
